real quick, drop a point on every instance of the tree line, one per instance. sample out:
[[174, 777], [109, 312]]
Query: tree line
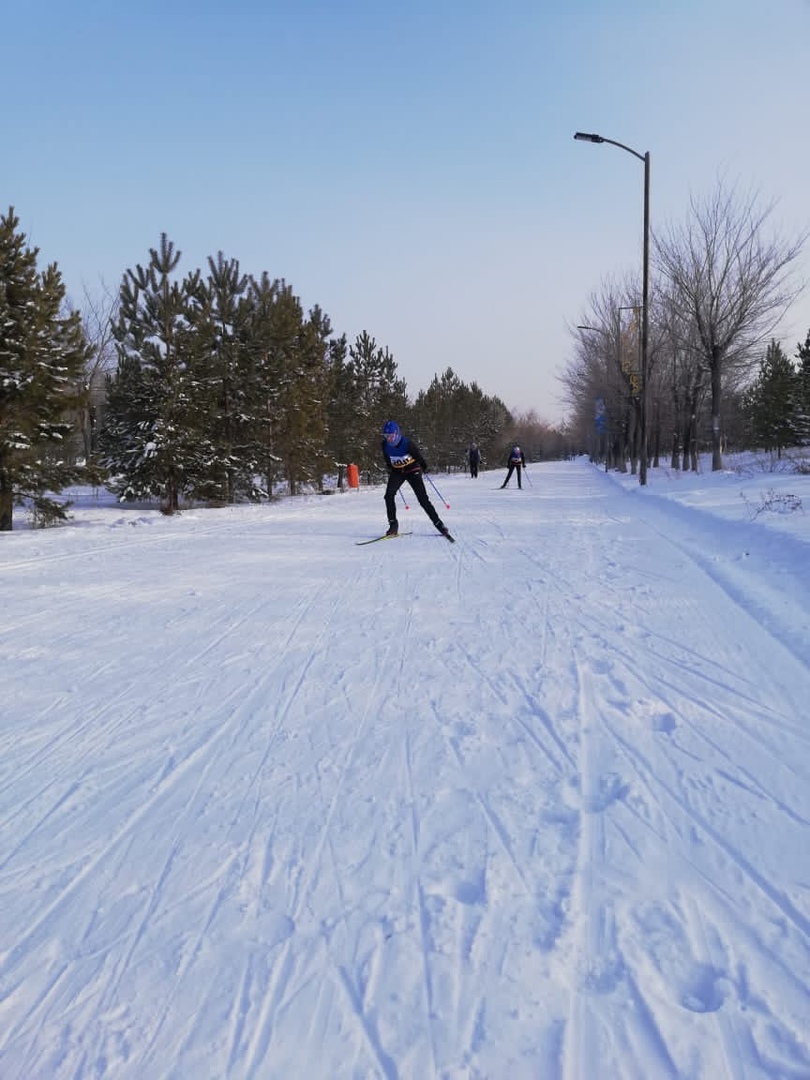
[[716, 377], [212, 387]]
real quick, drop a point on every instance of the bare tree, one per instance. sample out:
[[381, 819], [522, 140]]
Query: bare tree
[[586, 377], [730, 287], [682, 381], [604, 373], [99, 314]]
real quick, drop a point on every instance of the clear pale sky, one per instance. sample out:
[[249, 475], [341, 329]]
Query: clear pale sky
[[408, 166]]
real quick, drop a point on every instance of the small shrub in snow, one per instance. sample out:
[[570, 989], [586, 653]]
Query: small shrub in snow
[[773, 502]]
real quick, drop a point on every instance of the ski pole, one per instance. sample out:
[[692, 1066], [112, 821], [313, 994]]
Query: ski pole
[[404, 499], [447, 504], [526, 474]]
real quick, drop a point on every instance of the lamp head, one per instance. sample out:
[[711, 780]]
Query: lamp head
[[587, 136]]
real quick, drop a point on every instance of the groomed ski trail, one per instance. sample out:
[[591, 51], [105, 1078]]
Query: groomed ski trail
[[507, 808]]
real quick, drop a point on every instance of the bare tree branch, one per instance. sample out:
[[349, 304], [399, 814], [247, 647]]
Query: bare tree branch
[[729, 285]]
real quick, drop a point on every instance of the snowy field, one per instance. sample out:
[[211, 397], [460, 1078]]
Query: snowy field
[[533, 805]]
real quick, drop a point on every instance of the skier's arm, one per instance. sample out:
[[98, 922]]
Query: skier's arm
[[388, 466], [416, 454]]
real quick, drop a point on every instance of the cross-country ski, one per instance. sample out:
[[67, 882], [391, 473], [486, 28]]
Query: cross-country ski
[[385, 536]]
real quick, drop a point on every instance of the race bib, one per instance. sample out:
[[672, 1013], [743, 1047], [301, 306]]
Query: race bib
[[401, 461]]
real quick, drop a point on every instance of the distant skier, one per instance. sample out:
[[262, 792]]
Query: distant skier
[[404, 461], [474, 456], [516, 462]]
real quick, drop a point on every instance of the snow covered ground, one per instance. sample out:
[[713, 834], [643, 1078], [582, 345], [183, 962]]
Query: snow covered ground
[[533, 805]]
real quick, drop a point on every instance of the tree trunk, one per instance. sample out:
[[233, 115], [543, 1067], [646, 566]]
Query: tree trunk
[[633, 434], [656, 439], [675, 457], [621, 451], [717, 450], [171, 503], [691, 444], [6, 503], [677, 432], [687, 446]]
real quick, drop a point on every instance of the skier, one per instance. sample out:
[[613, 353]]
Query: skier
[[474, 456], [404, 461], [515, 461]]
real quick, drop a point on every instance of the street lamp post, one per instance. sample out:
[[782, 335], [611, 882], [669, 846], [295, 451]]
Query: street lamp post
[[585, 136]]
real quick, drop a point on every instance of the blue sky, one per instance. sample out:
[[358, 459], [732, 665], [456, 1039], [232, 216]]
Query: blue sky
[[410, 167]]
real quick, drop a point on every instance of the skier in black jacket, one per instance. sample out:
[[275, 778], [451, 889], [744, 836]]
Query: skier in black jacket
[[404, 461], [474, 457], [515, 461]]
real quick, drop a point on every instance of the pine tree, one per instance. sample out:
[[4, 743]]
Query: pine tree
[[153, 439], [449, 414], [303, 398], [803, 393], [379, 395], [771, 401], [340, 408], [317, 372], [486, 418], [273, 328], [42, 356], [222, 372]]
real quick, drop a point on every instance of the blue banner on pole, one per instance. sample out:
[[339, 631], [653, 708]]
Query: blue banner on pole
[[600, 416]]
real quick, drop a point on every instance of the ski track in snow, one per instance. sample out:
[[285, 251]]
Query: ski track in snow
[[530, 805]]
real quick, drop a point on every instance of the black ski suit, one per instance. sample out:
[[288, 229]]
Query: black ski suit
[[516, 461], [474, 455], [405, 462]]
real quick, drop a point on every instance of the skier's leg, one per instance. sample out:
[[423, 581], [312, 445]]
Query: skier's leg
[[518, 468], [391, 489], [508, 475], [418, 485]]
